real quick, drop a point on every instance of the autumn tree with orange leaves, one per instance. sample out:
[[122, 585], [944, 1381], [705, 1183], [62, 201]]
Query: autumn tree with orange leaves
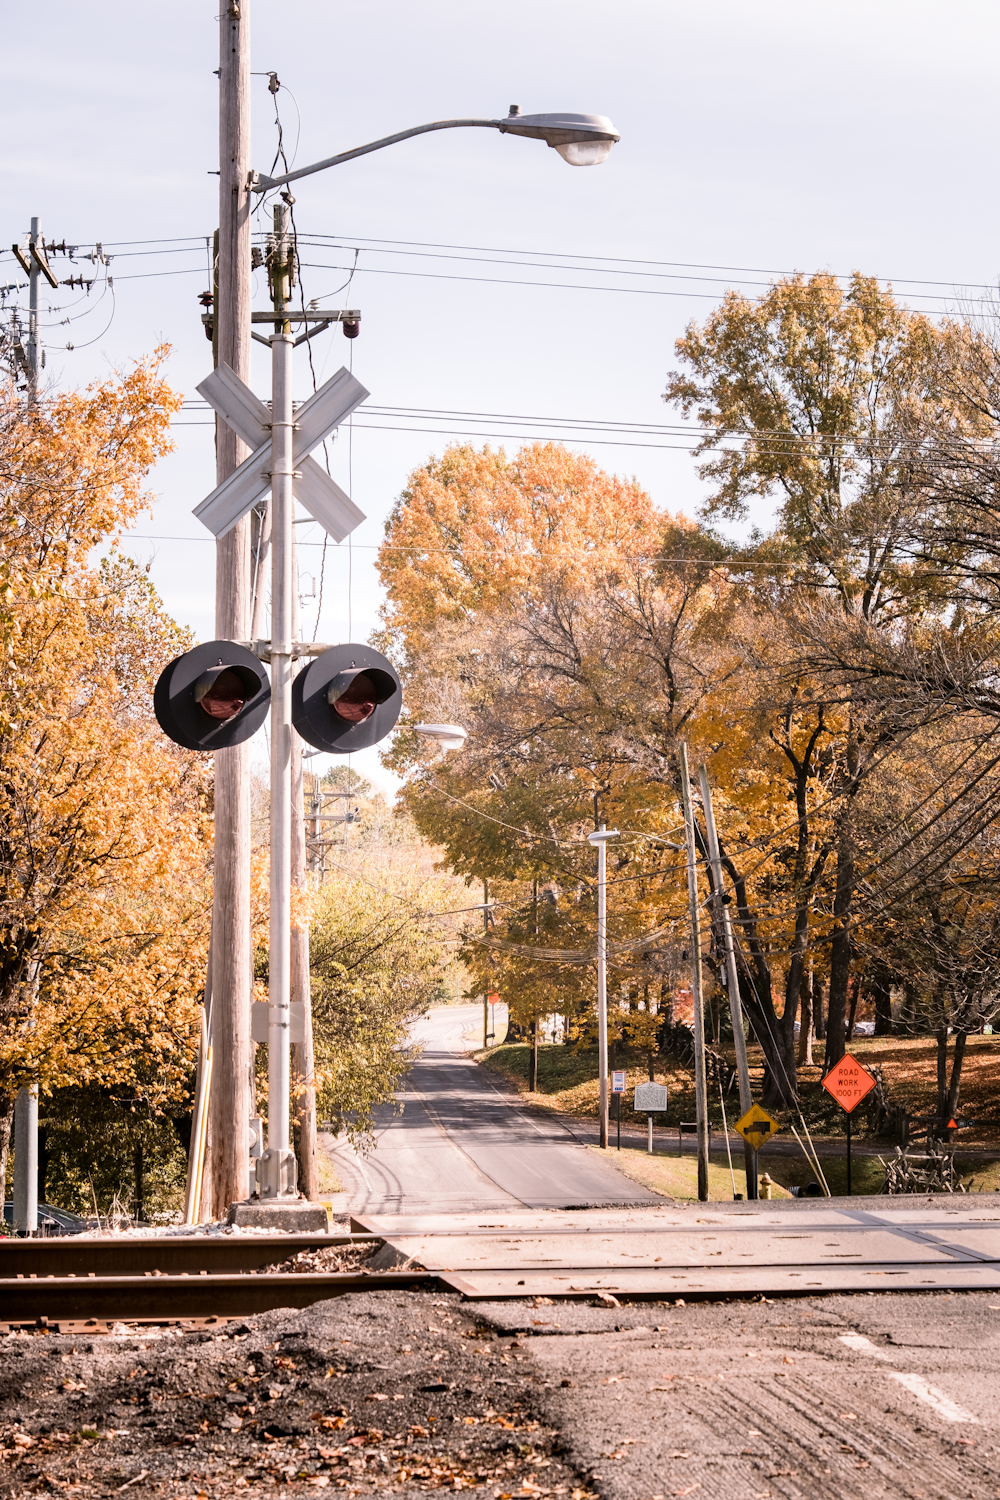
[[105, 833]]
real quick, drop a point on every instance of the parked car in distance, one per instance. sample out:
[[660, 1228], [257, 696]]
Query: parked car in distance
[[50, 1220]]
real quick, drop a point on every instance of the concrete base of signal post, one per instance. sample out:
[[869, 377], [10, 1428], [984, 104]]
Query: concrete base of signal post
[[290, 1216]]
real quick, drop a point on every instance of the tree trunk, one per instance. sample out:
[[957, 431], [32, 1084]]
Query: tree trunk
[[533, 1059], [951, 1103], [805, 1054], [137, 1166], [666, 1005], [881, 990], [819, 1017], [840, 952], [852, 1015], [43, 1163], [6, 1125], [942, 1070]]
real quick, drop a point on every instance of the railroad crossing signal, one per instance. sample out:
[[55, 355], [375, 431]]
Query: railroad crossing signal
[[849, 1082], [213, 696], [315, 491], [757, 1126], [347, 699]]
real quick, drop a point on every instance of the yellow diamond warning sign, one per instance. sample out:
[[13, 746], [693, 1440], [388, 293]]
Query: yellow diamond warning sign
[[757, 1126]]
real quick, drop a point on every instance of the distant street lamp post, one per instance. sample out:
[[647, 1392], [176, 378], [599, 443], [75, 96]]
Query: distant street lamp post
[[599, 841]]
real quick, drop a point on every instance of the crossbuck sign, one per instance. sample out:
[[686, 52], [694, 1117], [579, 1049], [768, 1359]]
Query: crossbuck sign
[[315, 491]]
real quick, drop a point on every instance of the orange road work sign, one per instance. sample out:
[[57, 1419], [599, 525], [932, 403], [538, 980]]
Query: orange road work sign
[[849, 1082]]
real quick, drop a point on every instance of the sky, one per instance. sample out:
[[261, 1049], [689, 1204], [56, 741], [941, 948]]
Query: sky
[[503, 293]]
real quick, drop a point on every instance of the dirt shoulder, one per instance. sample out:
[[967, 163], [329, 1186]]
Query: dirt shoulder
[[372, 1391]]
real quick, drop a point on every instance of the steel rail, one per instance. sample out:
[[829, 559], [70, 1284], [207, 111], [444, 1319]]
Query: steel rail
[[96, 1300], [128, 1255]]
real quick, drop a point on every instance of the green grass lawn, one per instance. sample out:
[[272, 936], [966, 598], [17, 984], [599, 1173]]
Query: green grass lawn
[[567, 1081], [677, 1176]]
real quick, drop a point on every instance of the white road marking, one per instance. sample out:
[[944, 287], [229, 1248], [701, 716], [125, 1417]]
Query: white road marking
[[942, 1404], [861, 1345]]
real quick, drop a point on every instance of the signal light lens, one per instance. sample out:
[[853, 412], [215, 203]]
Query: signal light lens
[[358, 702], [224, 698], [212, 697], [346, 699]]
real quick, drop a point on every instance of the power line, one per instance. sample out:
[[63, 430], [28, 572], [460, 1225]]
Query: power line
[[626, 291], [351, 240]]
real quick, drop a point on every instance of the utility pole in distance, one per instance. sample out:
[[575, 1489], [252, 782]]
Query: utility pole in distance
[[599, 839], [732, 977], [228, 1156], [698, 1024]]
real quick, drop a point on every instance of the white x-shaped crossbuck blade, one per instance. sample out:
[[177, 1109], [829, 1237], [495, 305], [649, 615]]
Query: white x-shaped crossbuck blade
[[250, 419]]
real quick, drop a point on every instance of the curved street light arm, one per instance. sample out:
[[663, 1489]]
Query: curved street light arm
[[264, 184]]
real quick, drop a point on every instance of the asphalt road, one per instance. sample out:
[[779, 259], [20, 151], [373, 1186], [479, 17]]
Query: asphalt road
[[825, 1399], [461, 1144]]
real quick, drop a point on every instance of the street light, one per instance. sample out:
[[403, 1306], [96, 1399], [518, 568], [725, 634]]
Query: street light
[[581, 140], [445, 736], [599, 841]]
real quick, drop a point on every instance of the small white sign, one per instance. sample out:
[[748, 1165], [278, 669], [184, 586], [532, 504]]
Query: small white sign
[[260, 1015], [618, 1082], [650, 1098]]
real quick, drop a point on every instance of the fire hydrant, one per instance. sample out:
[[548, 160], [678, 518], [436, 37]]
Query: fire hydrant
[[765, 1186]]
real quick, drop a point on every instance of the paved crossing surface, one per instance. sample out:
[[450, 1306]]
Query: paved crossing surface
[[703, 1250]]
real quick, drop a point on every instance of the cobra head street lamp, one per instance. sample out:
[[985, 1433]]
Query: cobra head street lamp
[[581, 140], [445, 736]]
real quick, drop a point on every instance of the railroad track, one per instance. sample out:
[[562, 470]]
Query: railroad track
[[73, 1285], [95, 1303], [798, 1249], [127, 1255]]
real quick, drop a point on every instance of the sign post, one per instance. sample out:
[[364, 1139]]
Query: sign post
[[849, 1082], [757, 1127], [618, 1088], [651, 1097]]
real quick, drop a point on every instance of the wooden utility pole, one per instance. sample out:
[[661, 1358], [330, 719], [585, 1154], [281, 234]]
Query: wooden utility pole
[[698, 1024], [732, 977], [228, 1159], [533, 1067], [303, 1059], [486, 992]]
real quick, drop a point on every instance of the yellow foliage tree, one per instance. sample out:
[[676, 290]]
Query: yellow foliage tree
[[104, 826]]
